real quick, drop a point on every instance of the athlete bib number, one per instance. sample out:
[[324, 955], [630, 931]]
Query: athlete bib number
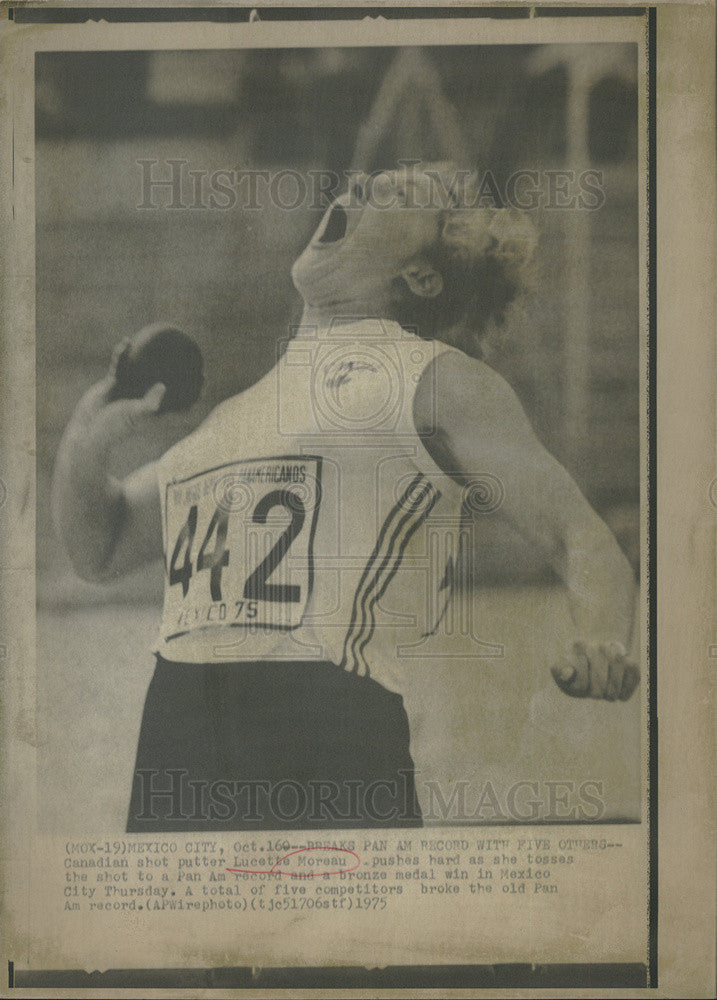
[[239, 544]]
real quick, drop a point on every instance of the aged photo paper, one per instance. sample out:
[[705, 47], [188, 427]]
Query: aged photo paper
[[358, 499]]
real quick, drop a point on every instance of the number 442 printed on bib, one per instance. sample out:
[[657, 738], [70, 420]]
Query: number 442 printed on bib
[[239, 544]]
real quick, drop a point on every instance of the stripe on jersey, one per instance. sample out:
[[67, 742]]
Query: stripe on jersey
[[410, 531], [383, 565], [371, 563]]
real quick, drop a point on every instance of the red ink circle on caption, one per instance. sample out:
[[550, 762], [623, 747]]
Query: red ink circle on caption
[[275, 870]]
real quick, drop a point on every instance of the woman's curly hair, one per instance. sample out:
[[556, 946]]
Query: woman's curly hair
[[484, 256]]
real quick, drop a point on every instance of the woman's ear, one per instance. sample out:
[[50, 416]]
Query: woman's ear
[[423, 280]]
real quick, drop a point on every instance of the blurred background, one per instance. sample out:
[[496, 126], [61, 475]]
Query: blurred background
[[106, 267]]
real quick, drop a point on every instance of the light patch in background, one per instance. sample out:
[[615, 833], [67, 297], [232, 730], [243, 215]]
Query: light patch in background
[[193, 77]]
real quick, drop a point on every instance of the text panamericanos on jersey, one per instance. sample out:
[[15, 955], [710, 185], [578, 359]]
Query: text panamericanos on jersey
[[272, 474], [191, 493]]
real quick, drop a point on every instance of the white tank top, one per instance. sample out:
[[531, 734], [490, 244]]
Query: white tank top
[[304, 519]]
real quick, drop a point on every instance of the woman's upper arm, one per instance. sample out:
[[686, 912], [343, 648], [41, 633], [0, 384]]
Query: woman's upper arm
[[139, 538], [479, 426], [463, 410]]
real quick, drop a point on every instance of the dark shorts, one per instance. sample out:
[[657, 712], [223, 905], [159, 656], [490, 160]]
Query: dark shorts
[[270, 746]]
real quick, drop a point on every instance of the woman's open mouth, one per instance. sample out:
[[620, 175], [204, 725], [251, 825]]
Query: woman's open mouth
[[334, 228]]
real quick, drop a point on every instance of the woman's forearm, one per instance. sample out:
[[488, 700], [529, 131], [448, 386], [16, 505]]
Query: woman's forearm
[[601, 587]]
